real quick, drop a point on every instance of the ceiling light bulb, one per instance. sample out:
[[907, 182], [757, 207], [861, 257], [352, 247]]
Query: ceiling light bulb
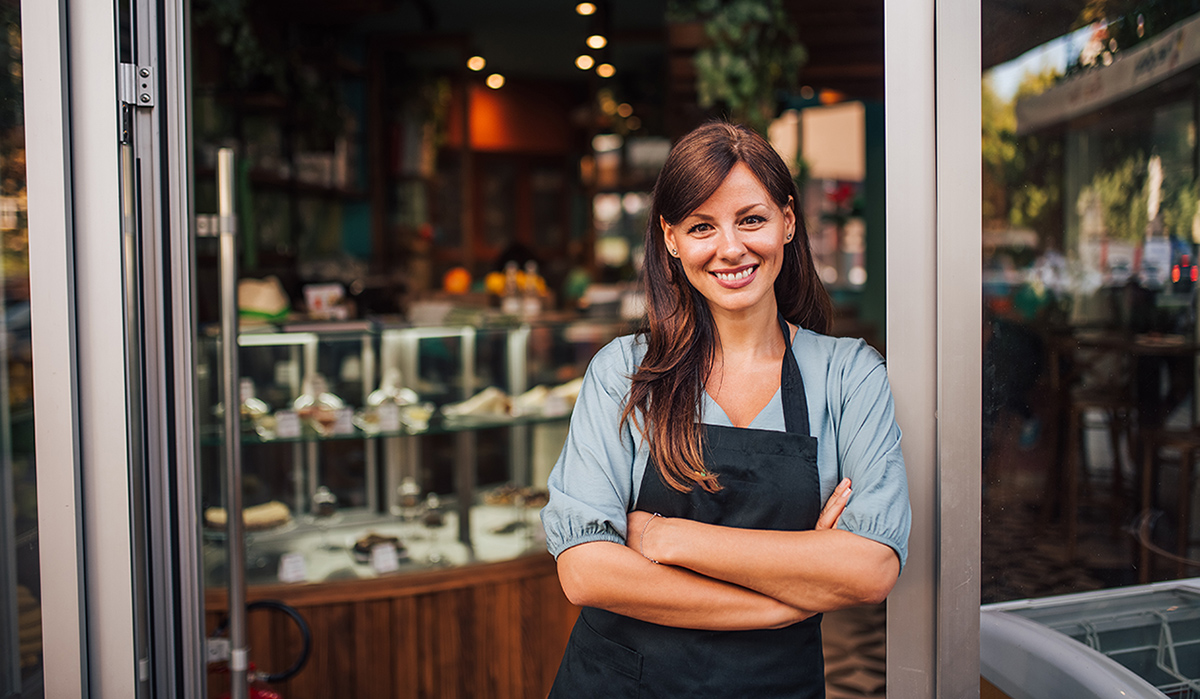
[[584, 62], [585, 8], [596, 41], [495, 81], [605, 70], [476, 63]]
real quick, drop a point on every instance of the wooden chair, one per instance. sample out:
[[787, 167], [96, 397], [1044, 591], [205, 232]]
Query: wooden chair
[[1090, 376], [1187, 444]]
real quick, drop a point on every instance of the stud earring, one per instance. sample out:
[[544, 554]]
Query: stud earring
[[674, 252]]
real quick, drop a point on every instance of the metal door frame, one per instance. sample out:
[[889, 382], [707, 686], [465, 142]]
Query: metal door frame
[[163, 332], [934, 320], [52, 318], [112, 334], [80, 396]]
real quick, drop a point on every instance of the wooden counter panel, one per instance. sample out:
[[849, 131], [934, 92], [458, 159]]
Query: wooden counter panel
[[493, 630]]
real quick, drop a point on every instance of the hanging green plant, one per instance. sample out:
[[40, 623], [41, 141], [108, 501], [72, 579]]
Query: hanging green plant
[[752, 53]]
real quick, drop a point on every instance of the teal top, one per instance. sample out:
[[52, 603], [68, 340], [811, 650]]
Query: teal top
[[596, 480]]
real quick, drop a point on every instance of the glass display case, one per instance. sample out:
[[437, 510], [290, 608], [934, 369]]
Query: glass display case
[[370, 448]]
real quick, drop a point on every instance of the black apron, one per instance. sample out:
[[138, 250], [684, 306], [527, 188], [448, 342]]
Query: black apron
[[769, 481]]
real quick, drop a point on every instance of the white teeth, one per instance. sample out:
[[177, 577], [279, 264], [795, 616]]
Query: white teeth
[[735, 276]]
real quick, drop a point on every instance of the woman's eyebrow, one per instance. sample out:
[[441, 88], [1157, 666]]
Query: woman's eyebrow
[[706, 217], [748, 207]]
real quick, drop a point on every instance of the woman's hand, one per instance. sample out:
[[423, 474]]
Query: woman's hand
[[834, 506], [640, 527], [613, 577]]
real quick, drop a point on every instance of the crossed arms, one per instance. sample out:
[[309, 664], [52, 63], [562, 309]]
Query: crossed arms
[[724, 578]]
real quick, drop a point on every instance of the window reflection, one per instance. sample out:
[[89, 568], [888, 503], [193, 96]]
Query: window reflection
[[20, 607], [1090, 232]]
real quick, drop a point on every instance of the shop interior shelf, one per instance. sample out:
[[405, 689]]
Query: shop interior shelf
[[212, 434]]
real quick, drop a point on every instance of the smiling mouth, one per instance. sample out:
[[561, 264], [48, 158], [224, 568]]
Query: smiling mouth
[[735, 276]]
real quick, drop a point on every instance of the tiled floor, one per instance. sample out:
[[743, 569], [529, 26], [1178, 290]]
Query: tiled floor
[[855, 652]]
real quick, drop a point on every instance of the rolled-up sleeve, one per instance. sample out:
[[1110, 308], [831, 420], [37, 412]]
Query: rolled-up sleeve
[[868, 447], [591, 484]]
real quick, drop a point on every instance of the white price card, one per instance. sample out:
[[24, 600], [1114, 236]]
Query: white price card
[[384, 558], [292, 568], [388, 415], [218, 649], [287, 424], [344, 423]]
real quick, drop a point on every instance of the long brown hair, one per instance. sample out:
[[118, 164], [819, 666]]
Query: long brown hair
[[680, 335]]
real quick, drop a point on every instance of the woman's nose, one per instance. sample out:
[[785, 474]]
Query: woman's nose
[[731, 245]]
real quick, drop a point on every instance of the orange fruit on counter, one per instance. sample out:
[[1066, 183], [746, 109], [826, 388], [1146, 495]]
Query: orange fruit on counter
[[457, 281]]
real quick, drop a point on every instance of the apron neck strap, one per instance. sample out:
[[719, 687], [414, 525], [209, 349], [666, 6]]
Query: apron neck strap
[[795, 401]]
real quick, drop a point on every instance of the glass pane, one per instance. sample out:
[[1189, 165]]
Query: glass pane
[[20, 594], [1090, 227], [384, 188]]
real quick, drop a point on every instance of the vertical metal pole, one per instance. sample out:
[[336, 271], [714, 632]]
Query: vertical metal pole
[[231, 399], [298, 473], [312, 448], [175, 532], [910, 138], [465, 447], [959, 344], [135, 332], [520, 469], [370, 446], [50, 174]]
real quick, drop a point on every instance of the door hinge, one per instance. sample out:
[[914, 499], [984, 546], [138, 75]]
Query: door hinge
[[138, 85]]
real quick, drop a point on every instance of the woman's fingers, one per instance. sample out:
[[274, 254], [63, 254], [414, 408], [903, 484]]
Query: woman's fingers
[[834, 505]]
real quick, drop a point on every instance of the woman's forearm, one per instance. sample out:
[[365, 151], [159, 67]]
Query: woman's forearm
[[612, 577], [820, 570]]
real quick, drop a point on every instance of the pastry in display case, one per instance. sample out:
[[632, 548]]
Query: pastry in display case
[[318, 409], [269, 515], [393, 407]]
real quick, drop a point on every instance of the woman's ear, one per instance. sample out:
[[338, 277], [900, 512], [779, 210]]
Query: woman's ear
[[789, 219], [668, 235]]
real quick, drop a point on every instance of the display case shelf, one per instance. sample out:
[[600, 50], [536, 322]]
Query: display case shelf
[[212, 436], [365, 470]]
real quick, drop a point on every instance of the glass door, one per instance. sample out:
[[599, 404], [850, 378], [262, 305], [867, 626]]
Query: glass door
[[1090, 234], [21, 664], [381, 184]]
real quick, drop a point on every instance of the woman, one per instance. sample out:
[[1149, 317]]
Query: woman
[[685, 510]]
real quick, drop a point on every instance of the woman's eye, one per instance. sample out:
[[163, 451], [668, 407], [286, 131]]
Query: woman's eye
[[753, 220], [700, 228]]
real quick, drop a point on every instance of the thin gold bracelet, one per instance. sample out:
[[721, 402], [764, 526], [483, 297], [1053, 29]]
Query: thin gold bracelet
[[643, 541]]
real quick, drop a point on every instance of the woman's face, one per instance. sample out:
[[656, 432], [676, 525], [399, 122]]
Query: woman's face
[[731, 246]]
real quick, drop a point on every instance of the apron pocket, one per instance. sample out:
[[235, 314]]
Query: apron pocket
[[594, 665], [615, 656]]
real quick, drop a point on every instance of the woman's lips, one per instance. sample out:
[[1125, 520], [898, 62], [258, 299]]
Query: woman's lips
[[736, 278]]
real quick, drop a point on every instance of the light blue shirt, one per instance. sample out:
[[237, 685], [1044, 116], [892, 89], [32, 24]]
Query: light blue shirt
[[596, 480]]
